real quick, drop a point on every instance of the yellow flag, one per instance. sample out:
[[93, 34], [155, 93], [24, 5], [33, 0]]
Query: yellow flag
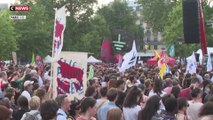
[[162, 70], [156, 54]]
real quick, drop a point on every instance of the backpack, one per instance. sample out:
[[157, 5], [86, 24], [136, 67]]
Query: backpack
[[31, 116]]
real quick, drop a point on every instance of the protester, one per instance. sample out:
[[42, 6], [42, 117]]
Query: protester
[[182, 106], [120, 85], [88, 109], [34, 113], [64, 106], [171, 106], [28, 89], [186, 93], [195, 104], [149, 112], [111, 96], [5, 113], [48, 110], [206, 109], [114, 114], [102, 101], [22, 108], [131, 101]]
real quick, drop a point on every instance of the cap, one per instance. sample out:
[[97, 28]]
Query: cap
[[26, 83]]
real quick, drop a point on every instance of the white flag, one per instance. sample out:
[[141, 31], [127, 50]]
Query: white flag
[[191, 64], [209, 64], [130, 59], [59, 27]]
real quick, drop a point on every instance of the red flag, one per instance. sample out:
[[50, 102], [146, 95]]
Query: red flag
[[202, 30]]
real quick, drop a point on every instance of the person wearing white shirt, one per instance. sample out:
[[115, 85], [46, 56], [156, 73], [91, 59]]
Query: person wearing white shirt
[[28, 87], [131, 107]]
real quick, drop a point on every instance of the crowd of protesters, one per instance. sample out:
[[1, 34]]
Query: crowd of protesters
[[137, 94]]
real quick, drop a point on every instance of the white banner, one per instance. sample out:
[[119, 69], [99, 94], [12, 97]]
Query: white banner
[[69, 74], [130, 59], [59, 27]]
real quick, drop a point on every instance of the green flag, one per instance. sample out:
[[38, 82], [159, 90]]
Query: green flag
[[91, 72], [33, 59]]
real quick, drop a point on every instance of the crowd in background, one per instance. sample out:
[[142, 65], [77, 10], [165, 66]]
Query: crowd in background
[[137, 94]]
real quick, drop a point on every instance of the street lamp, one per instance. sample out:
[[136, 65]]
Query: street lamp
[[180, 40]]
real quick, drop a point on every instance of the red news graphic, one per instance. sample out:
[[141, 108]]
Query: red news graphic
[[19, 8]]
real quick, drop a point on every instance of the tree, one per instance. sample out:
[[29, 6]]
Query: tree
[[91, 41], [122, 20], [173, 30], [78, 23], [155, 12], [8, 35], [35, 31]]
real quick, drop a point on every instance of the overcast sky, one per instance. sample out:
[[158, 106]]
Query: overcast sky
[[104, 2]]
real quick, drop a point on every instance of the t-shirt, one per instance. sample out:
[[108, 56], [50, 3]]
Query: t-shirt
[[193, 109], [186, 93], [26, 94], [131, 113]]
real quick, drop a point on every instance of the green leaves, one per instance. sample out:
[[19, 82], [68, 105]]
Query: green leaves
[[8, 35]]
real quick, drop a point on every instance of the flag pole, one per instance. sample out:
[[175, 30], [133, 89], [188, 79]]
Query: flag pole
[[202, 30]]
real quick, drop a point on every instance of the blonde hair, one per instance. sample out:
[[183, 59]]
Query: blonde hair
[[34, 103], [114, 114]]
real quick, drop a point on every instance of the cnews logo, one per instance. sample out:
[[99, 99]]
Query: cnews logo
[[19, 8]]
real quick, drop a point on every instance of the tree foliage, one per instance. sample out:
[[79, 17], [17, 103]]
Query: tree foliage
[[35, 31], [8, 35], [155, 12], [173, 32], [122, 20]]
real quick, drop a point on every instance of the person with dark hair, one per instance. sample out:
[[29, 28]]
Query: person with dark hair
[[149, 112], [23, 108], [64, 106], [186, 93], [169, 85], [206, 109], [210, 94], [111, 96], [91, 92], [195, 104], [182, 106], [175, 91], [131, 101], [88, 109], [206, 89], [157, 88], [5, 113], [48, 110], [34, 113], [130, 82], [171, 106], [187, 81], [102, 101], [75, 108], [144, 98], [120, 85], [92, 83], [112, 83]]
